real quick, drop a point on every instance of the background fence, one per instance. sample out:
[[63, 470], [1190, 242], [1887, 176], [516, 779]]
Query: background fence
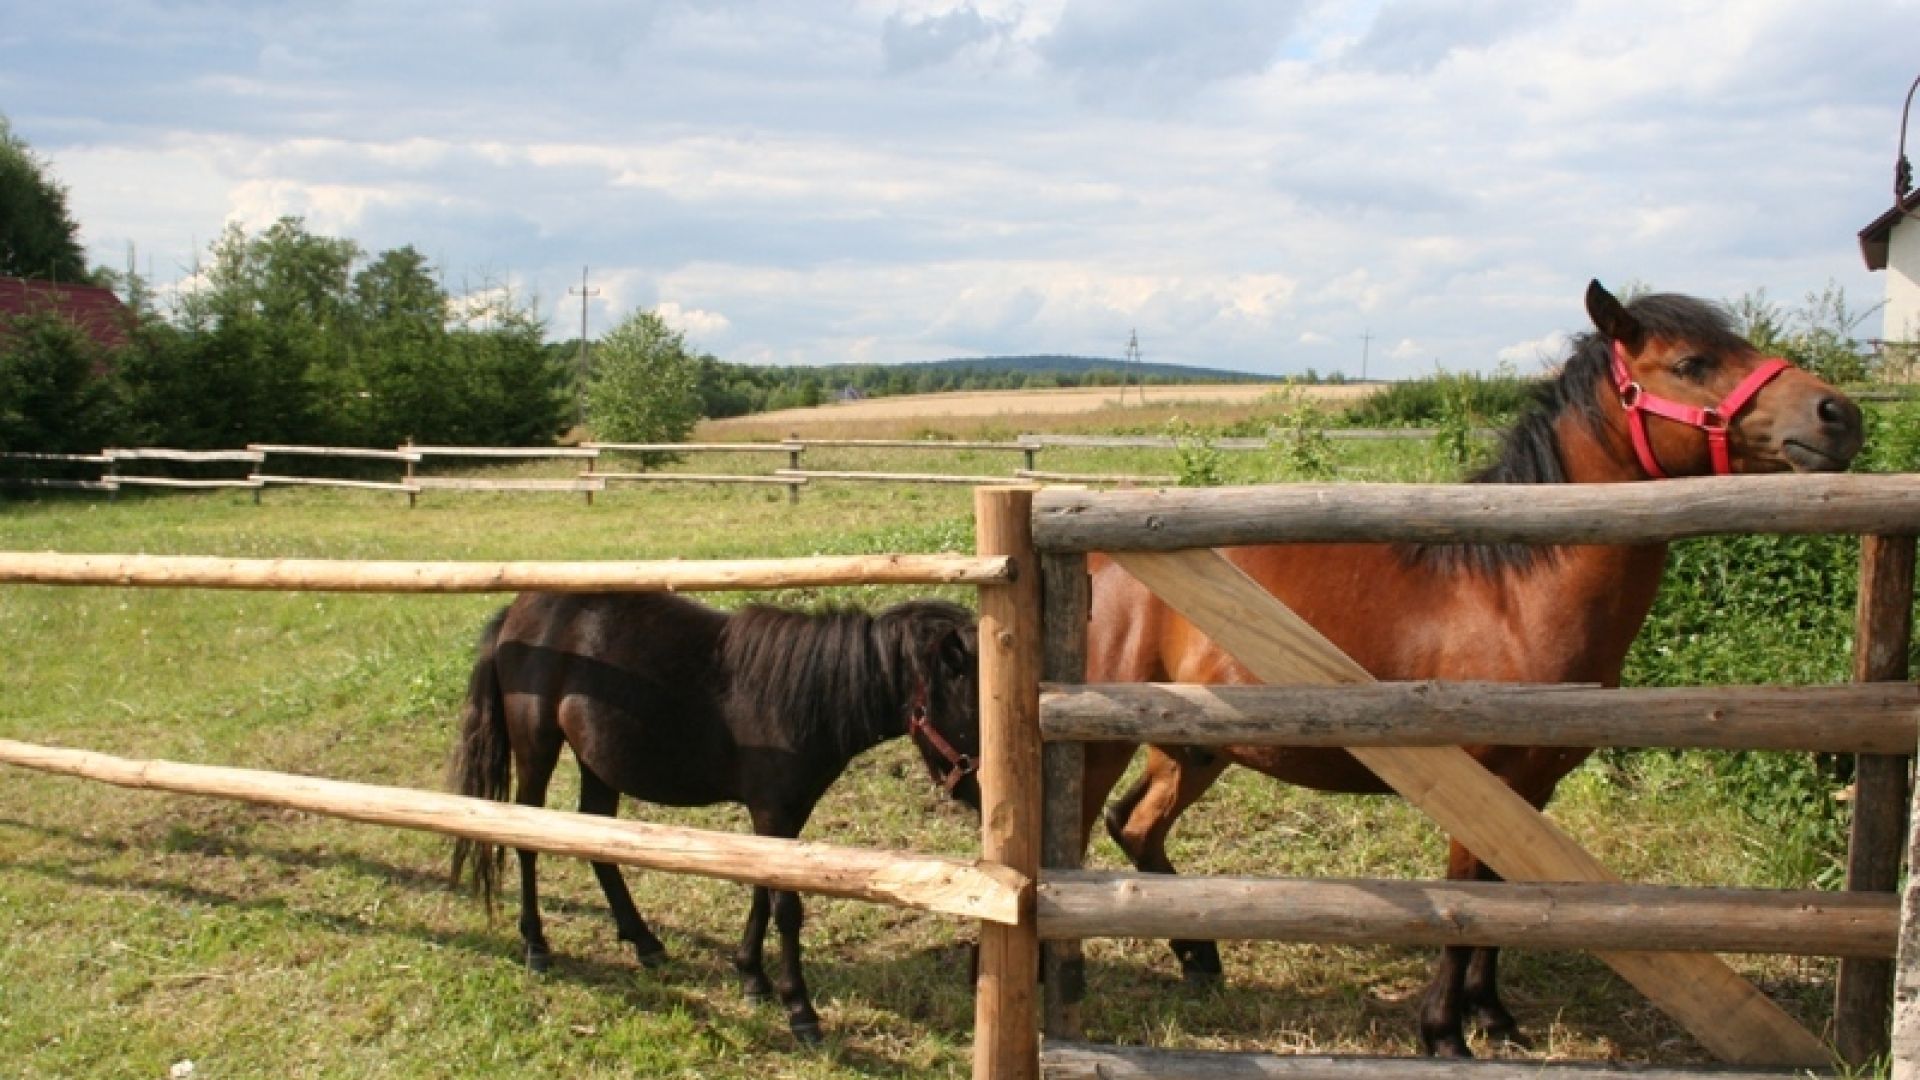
[[599, 465]]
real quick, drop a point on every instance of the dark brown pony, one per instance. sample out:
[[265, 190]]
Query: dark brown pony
[[676, 703], [1511, 613]]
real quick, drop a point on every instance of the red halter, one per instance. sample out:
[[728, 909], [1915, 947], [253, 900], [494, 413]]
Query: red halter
[[920, 726], [1713, 420]]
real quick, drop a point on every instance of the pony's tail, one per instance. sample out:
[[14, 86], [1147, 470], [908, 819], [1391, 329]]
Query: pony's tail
[[481, 767]]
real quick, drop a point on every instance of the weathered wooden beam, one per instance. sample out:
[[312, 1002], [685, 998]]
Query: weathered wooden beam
[[461, 483], [973, 890], [1882, 636], [1874, 718], [1066, 605], [324, 575], [696, 478], [325, 481], [151, 453], [334, 451], [1172, 519], [504, 451], [904, 478], [1724, 1011], [1081, 1061], [692, 448], [175, 482], [1006, 1037], [1587, 916]]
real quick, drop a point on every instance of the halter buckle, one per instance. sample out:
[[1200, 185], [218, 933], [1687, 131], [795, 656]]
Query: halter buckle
[[1711, 420], [1631, 394]]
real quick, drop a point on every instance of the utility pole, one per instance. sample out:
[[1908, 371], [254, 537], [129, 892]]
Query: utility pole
[[1133, 368], [1366, 341], [580, 384]]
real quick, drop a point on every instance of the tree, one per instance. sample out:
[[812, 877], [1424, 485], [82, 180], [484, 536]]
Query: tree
[[645, 385], [55, 395], [38, 238]]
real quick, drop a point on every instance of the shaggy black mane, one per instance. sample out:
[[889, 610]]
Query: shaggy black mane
[[832, 673], [1530, 450]]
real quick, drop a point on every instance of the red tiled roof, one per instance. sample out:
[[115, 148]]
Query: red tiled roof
[[90, 307]]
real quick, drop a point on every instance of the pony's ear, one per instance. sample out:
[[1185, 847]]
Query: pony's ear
[[1610, 316], [953, 651]]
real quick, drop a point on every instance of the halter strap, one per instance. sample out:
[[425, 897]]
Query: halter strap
[[1713, 419], [919, 726]]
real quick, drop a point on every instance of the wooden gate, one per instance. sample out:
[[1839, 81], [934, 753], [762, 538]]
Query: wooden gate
[[1163, 538]]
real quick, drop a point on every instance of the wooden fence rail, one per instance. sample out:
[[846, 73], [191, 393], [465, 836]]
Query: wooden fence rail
[[969, 889], [324, 575], [1859, 718]]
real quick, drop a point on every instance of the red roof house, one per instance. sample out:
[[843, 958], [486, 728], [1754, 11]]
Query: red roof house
[[92, 308]]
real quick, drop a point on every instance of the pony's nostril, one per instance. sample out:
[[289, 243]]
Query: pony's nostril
[[1838, 411]]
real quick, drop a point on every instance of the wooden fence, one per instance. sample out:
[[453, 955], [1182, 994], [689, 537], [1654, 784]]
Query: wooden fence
[[1032, 627], [987, 889], [111, 466], [1408, 736]]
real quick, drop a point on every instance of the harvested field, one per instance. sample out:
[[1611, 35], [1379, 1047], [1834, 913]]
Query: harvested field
[[1074, 408]]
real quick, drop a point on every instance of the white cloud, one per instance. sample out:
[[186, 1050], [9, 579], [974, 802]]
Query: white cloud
[[1248, 184], [701, 327]]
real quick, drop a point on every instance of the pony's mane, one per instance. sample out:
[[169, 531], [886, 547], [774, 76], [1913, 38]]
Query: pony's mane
[[1529, 451], [840, 675]]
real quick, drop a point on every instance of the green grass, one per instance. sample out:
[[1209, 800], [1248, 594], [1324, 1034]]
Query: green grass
[[142, 929]]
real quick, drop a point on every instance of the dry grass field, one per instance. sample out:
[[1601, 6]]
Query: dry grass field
[[986, 413]]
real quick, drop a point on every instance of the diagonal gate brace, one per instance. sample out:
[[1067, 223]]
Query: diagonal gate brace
[[1724, 1011]]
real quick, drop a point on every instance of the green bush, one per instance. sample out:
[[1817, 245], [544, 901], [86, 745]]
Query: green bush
[[1491, 399]]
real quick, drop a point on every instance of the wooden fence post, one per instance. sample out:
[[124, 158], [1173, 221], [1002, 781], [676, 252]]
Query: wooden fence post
[[1006, 1042], [1883, 631], [1066, 605]]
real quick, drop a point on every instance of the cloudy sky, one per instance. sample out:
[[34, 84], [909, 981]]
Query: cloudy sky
[[1251, 184]]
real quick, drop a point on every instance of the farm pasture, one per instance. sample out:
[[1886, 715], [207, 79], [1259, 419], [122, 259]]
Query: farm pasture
[[142, 930]]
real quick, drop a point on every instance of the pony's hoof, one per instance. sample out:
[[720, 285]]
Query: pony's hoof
[[1508, 1033], [808, 1032], [1201, 981], [539, 961], [759, 991], [650, 956], [1451, 1045]]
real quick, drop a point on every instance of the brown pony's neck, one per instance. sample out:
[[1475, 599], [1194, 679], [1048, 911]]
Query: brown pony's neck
[[1614, 583]]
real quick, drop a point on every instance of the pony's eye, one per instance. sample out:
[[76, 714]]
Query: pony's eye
[[1693, 368]]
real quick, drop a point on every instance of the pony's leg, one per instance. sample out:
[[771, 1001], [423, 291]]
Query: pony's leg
[[530, 789], [599, 797], [788, 916], [748, 962], [1140, 821], [1103, 763], [1465, 981]]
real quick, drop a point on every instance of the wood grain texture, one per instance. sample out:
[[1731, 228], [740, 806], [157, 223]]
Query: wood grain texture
[[1167, 520], [1105, 903], [1883, 633], [1066, 605], [1006, 1035], [326, 575], [1877, 718]]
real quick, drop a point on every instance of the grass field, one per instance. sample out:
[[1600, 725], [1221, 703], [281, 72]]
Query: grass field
[[146, 930]]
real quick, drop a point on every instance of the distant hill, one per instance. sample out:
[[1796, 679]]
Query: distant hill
[[1055, 364]]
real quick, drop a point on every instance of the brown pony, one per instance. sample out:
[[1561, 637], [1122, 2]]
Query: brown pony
[[1509, 613]]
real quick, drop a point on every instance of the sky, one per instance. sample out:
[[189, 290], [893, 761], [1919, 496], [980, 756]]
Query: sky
[[1267, 186]]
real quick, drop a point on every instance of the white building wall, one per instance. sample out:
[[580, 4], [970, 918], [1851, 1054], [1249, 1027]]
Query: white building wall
[[1902, 320]]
